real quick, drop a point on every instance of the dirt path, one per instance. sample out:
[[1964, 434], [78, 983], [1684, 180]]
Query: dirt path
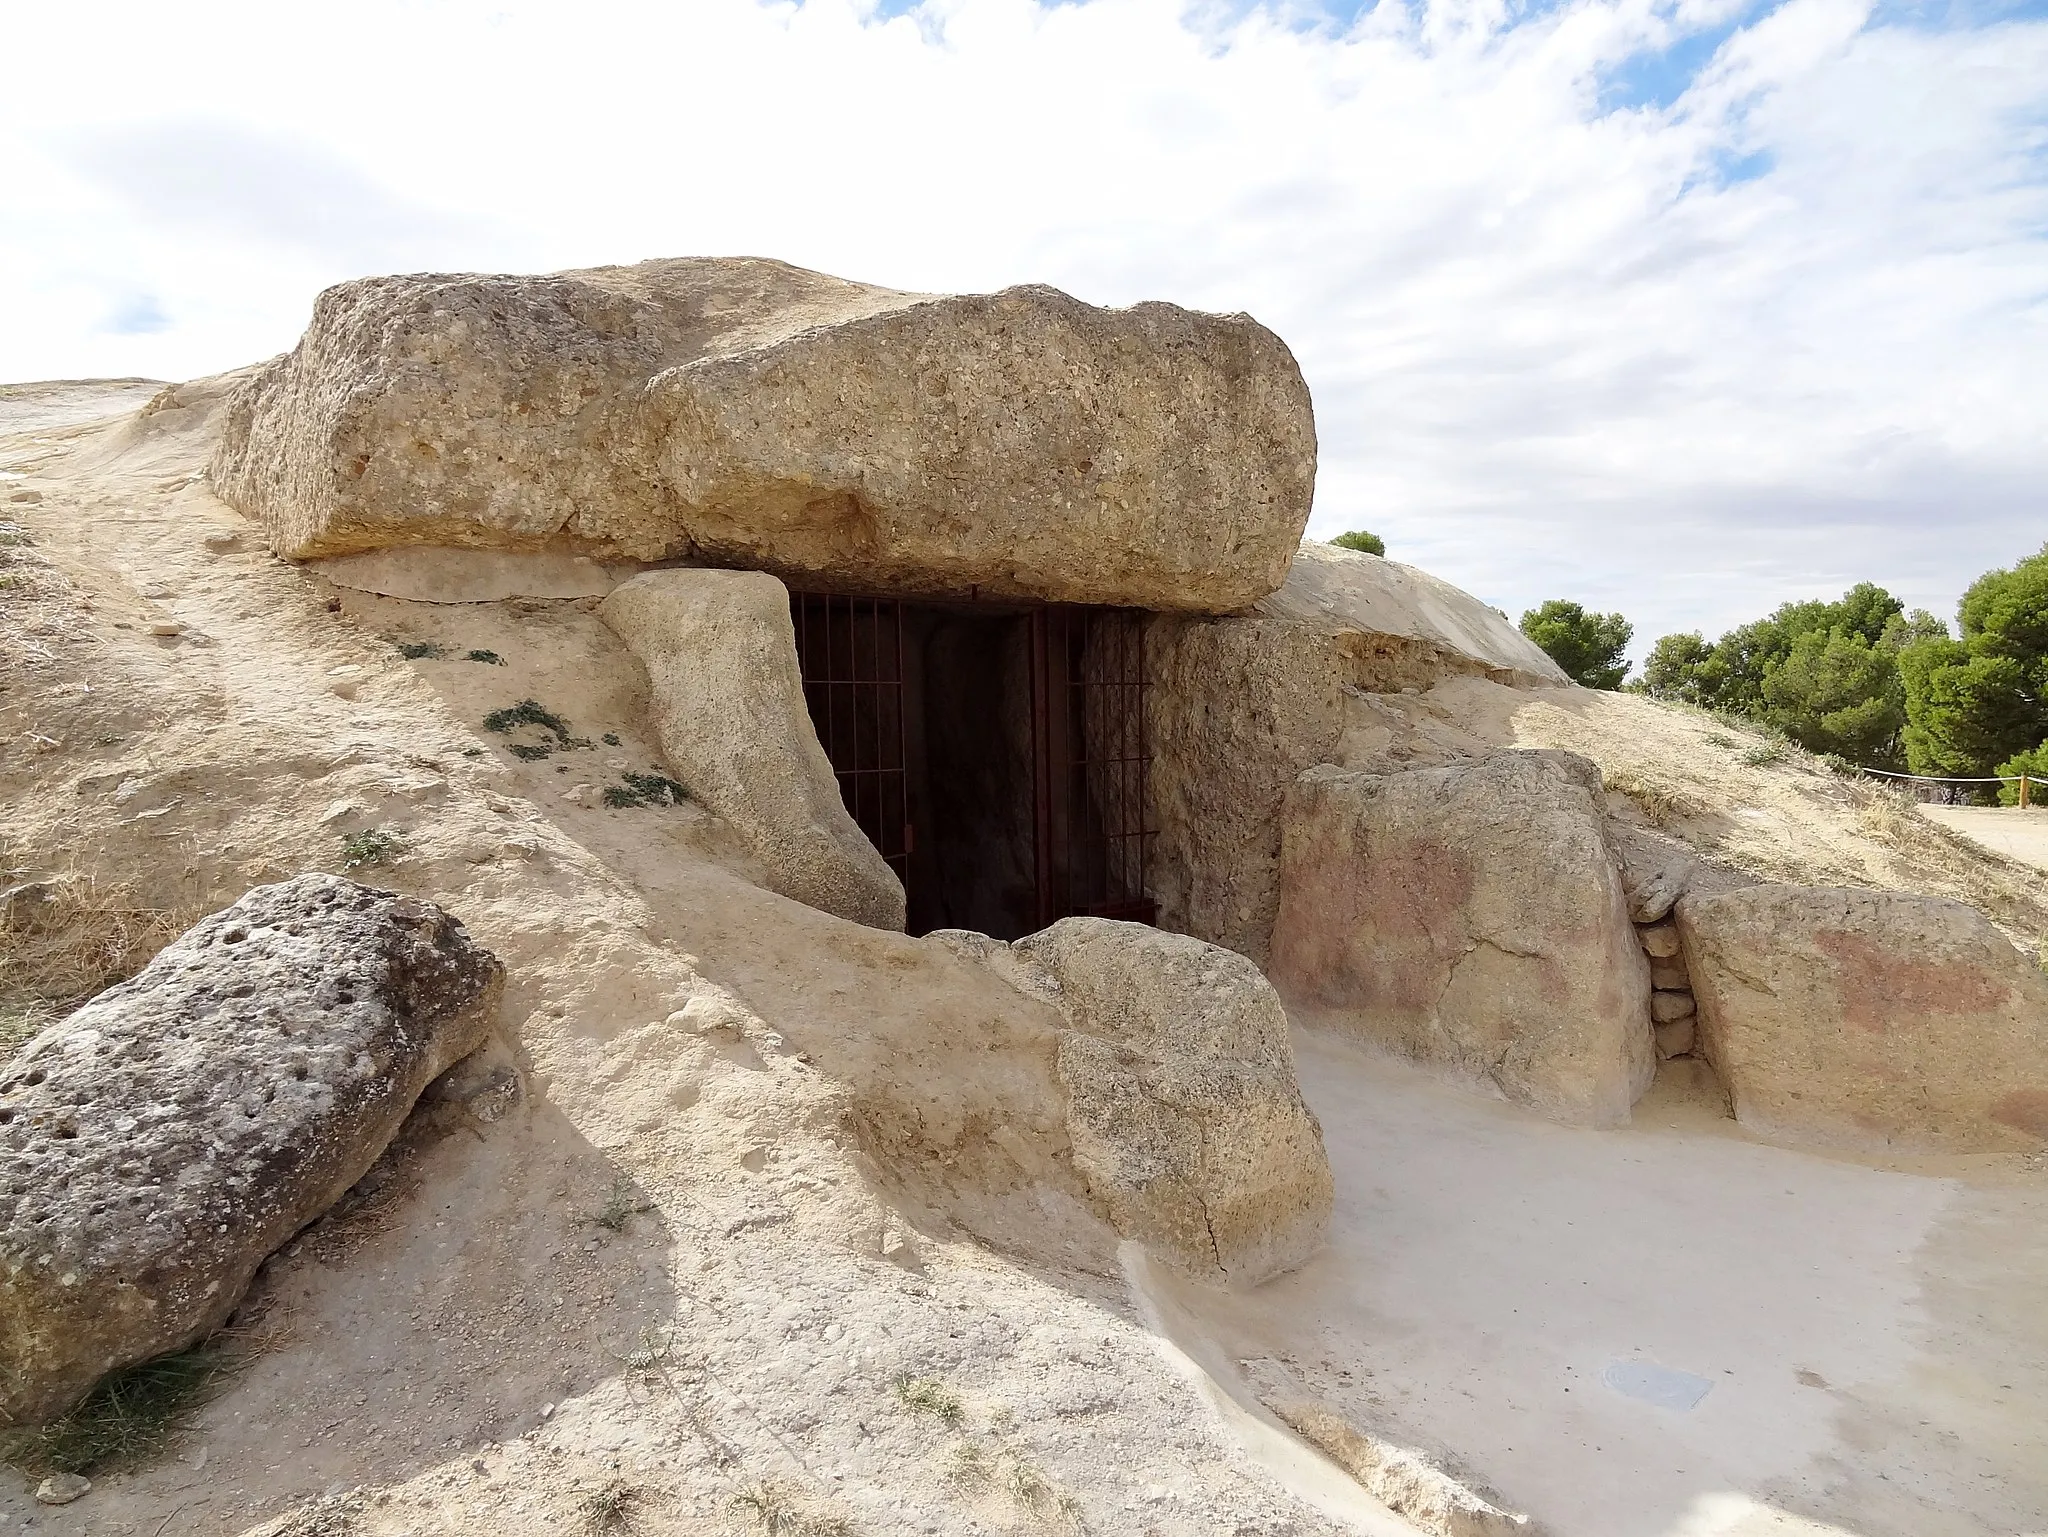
[[2006, 830], [1870, 1341]]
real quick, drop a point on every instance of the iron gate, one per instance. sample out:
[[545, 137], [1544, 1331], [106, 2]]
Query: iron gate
[[850, 655], [1090, 758], [1092, 763]]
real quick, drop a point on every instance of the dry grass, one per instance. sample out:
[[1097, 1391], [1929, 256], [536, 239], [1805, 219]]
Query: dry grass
[[132, 1416], [1661, 802], [610, 1507], [781, 1512], [972, 1465], [86, 935], [2011, 894], [930, 1396]]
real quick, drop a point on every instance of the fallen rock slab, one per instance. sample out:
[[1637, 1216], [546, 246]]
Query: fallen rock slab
[[164, 1139], [1240, 706], [749, 413], [1470, 918], [727, 700], [1184, 1111], [1869, 1020]]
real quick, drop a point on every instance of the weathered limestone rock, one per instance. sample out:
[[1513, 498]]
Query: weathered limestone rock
[[1669, 1004], [1660, 940], [1239, 707], [62, 1489], [1655, 871], [728, 708], [1184, 1111], [432, 574], [1401, 626], [1675, 1037], [1470, 918], [164, 1139], [1869, 1019], [1668, 974], [749, 413]]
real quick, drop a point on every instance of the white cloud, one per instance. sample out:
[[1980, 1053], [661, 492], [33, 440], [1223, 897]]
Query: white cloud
[[1785, 330]]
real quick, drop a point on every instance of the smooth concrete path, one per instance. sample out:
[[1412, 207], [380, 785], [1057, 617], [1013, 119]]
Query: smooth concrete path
[[2007, 830], [1497, 1288]]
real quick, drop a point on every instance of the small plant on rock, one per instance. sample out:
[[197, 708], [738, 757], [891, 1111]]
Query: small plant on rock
[[531, 712], [780, 1514], [421, 650], [619, 1207], [371, 847], [18, 1022], [488, 658], [969, 1464], [528, 712], [930, 1396], [645, 790], [610, 1507]]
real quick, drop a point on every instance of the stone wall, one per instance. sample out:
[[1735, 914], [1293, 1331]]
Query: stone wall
[[1239, 707]]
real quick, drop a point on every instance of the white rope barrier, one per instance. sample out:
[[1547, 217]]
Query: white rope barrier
[[1938, 779]]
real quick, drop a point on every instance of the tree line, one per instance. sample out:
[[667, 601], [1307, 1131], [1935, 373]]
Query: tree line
[[1859, 679]]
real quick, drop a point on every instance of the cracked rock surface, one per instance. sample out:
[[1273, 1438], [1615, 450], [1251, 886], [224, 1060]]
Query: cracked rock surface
[[163, 1140], [1471, 918], [744, 412], [1184, 1109], [1870, 1020]]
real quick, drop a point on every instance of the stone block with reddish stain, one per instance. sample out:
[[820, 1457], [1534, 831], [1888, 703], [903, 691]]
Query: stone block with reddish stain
[[1870, 1019], [1470, 918]]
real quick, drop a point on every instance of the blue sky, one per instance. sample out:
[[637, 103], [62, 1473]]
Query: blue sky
[[1681, 307]]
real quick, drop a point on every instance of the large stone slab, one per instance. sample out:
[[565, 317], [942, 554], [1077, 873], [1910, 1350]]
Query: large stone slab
[[1470, 918], [164, 1139], [1869, 1020], [748, 413], [1184, 1110], [727, 700], [433, 574], [1241, 706]]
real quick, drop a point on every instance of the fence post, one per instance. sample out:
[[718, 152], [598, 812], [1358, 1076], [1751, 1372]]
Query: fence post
[[2023, 790]]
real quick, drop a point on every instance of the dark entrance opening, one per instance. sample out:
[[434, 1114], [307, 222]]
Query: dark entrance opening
[[995, 754]]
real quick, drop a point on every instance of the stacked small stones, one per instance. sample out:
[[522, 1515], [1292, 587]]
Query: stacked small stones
[[1672, 1009]]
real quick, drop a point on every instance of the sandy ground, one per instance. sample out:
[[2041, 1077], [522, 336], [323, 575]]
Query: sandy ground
[[63, 402], [2017, 834], [819, 1205], [1874, 1338]]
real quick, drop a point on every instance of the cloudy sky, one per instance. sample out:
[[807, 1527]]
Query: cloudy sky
[[1678, 308]]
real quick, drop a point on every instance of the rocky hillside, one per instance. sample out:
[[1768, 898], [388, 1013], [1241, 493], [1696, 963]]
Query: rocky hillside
[[751, 1218]]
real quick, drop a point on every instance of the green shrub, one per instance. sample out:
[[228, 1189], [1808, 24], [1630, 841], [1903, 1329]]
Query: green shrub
[[1365, 543], [2034, 764], [645, 790], [369, 848], [1589, 647]]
